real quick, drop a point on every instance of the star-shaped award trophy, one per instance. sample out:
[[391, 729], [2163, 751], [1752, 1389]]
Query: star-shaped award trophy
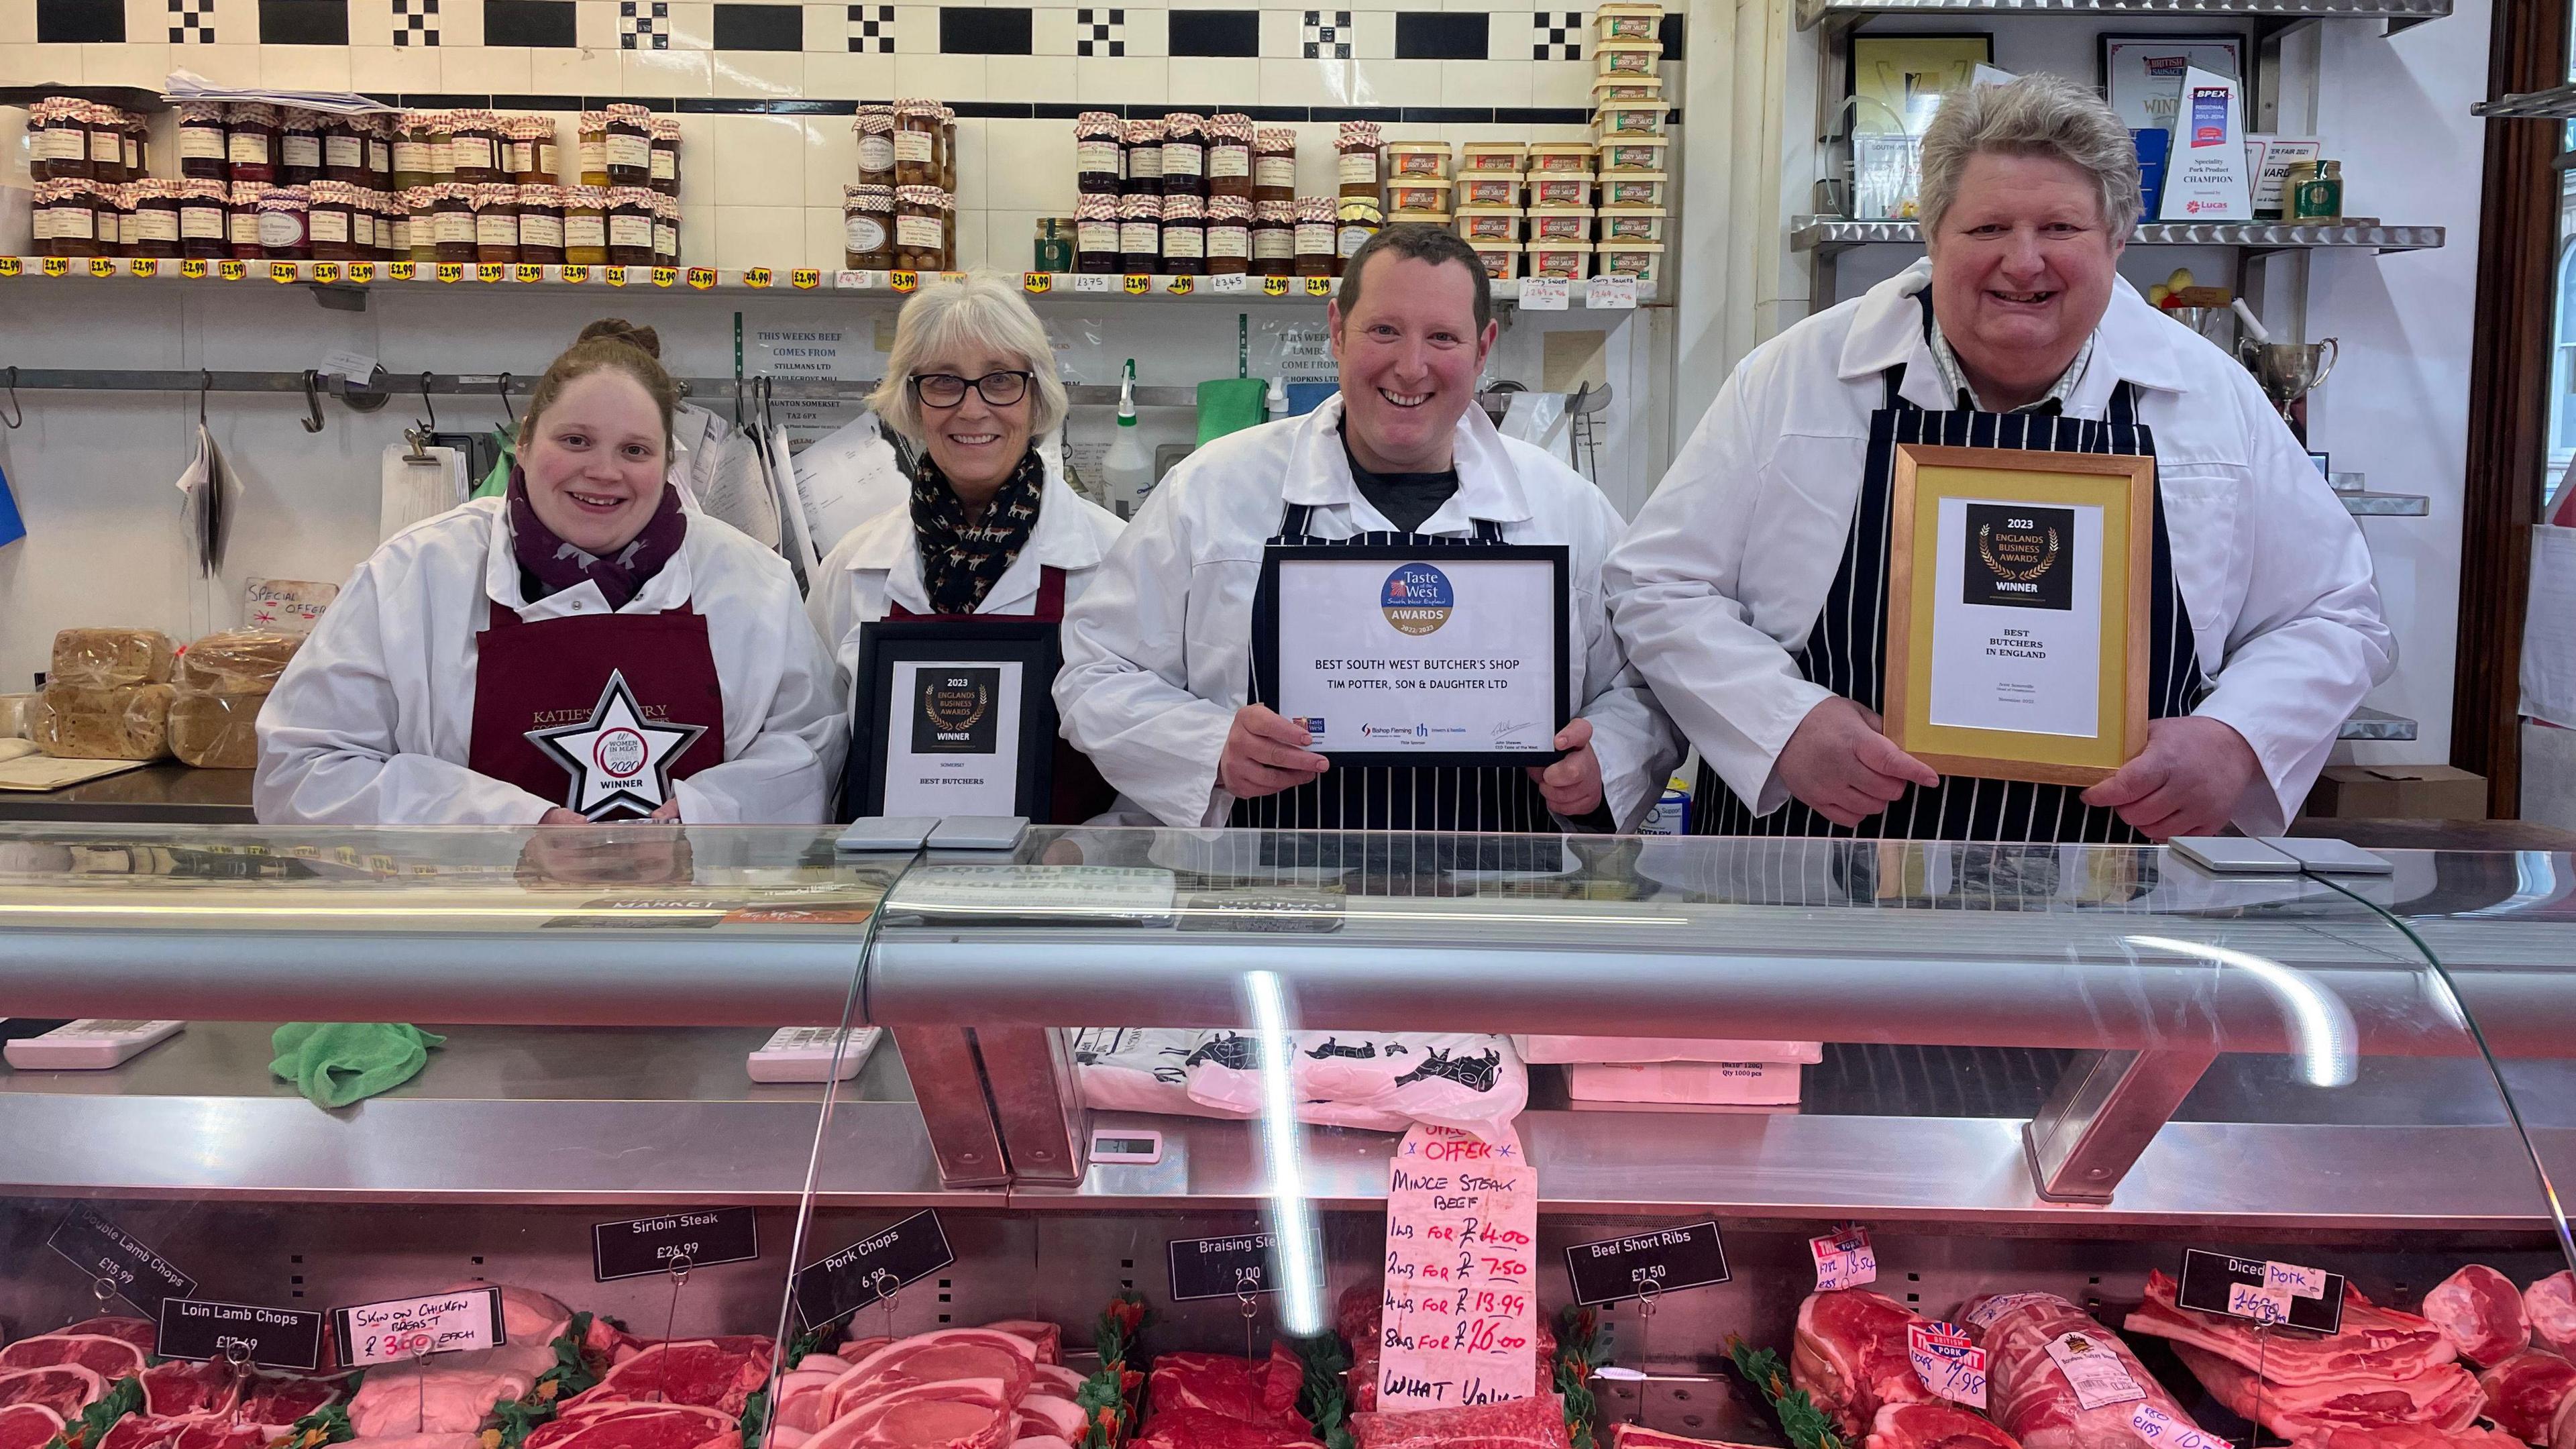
[[615, 757]]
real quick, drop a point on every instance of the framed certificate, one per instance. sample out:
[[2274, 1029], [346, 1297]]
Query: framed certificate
[[2017, 611], [2142, 74], [1404, 656], [952, 718]]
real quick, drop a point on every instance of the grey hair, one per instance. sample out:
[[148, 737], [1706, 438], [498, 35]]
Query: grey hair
[[2037, 115], [982, 312]]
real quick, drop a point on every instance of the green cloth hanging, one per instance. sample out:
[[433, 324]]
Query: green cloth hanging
[[334, 1063], [1229, 405], [497, 482]]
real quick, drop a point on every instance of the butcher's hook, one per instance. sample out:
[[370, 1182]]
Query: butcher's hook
[[17, 414], [205, 385], [312, 401], [506, 410]]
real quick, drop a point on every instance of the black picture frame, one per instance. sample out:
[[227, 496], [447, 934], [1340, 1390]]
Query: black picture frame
[[2243, 40], [1031, 644], [1265, 635]]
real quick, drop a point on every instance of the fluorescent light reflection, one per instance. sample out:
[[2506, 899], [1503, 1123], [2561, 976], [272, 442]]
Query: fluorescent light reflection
[[2322, 1034], [1292, 1216]]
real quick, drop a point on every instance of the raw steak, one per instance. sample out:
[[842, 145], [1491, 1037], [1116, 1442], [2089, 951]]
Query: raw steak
[[109, 1358], [1638, 1436], [2446, 1399], [2550, 1304], [1934, 1426], [706, 1372], [2027, 1393], [1055, 1378], [859, 1348], [2408, 1436], [1198, 1429], [280, 1399], [136, 1331], [2480, 1311], [942, 1356], [141, 1431], [2562, 1430], [665, 1427], [28, 1426], [1236, 1388], [571, 1421], [1047, 1337], [2375, 1342], [1850, 1357], [63, 1388], [2523, 1393], [955, 1414], [803, 1395], [1046, 1416], [1042, 1441], [1537, 1422]]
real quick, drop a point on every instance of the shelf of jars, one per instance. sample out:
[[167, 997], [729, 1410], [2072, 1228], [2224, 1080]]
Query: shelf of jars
[[1540, 293], [1826, 236]]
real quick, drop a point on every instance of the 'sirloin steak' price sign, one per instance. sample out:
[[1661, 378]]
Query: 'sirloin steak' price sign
[[111, 1255], [871, 1269], [1461, 1272], [674, 1242], [1664, 1261], [397, 1329]]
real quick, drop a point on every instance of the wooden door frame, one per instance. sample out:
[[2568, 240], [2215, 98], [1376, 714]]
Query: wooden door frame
[[2509, 372]]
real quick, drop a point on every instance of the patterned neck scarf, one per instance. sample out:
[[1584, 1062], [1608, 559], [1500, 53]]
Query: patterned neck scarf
[[960, 561], [557, 565]]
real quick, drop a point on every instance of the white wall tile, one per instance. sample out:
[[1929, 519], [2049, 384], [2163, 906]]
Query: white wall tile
[[144, 20], [698, 236], [827, 27], [460, 25], [225, 65], [666, 73], [145, 64], [845, 77], [759, 75], [1122, 79], [1029, 77], [1304, 82], [1030, 166], [942, 77], [590, 70], [385, 70], [830, 159], [1483, 83], [1149, 32], [594, 24], [693, 24], [824, 239], [25, 65], [759, 236], [1561, 83], [1010, 239], [1214, 81], [916, 30], [1282, 32], [758, 160], [309, 67], [974, 174], [1372, 34], [1397, 82], [1051, 31], [486, 68]]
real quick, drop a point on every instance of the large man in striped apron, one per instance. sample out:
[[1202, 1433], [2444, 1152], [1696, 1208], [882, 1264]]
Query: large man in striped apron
[[1752, 590], [1156, 681]]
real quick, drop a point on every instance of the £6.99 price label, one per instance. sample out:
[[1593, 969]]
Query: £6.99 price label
[[1947, 1362], [1461, 1271], [399, 1329]]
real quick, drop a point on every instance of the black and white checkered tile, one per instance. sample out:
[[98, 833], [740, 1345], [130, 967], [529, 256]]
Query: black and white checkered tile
[[192, 22], [1556, 35], [1100, 32], [415, 22], [1327, 35], [872, 29], [644, 24]]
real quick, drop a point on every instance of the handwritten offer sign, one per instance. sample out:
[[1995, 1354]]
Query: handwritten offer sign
[[1461, 1269], [401, 1328]]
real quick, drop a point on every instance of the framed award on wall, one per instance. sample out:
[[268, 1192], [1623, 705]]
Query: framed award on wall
[[2017, 615], [952, 718]]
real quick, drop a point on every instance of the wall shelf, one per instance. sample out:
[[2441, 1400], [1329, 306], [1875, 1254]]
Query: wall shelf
[[1826, 236], [1842, 14], [2558, 103], [2386, 505], [2377, 724]]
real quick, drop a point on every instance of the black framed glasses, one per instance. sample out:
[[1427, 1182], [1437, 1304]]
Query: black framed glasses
[[947, 389]]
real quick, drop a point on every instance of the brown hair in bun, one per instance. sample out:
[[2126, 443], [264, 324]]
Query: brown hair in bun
[[611, 343]]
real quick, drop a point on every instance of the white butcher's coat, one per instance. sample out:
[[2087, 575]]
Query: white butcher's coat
[[371, 722], [881, 560], [1728, 564], [1158, 655]]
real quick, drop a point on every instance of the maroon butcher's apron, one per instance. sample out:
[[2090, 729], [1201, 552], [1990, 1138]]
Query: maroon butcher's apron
[[597, 712], [1078, 792]]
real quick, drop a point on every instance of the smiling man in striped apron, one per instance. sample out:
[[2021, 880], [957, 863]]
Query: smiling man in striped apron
[[1156, 686], [1752, 590]]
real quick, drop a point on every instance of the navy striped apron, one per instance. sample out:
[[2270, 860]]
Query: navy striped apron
[[1846, 648], [1396, 797]]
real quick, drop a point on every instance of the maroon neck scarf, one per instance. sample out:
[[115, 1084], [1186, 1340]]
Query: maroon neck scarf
[[556, 565]]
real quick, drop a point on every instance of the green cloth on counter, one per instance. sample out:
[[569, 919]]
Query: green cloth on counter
[[1229, 405], [335, 1063]]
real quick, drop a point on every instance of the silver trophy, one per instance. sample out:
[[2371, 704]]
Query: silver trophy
[[2288, 370]]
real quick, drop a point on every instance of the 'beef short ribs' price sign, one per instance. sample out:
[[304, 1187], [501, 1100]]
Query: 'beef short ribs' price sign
[[1947, 1362], [278, 1338], [871, 1269], [1461, 1272], [1223, 1267], [112, 1256], [1664, 1261], [399, 1329], [674, 1242], [2267, 1292], [1844, 1259]]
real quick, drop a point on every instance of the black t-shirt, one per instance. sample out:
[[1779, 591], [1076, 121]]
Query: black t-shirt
[[1407, 499]]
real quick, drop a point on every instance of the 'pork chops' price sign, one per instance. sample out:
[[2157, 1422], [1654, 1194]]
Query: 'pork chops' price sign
[[110, 1254], [278, 1338], [1223, 1267], [2266, 1292], [1461, 1272], [674, 1242], [1664, 1261], [871, 1269], [397, 1330], [1947, 1362]]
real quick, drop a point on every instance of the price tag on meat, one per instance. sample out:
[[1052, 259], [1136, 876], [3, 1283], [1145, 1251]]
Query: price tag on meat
[[108, 1253], [2164, 1431], [278, 1338], [1223, 1267], [2258, 1301], [2093, 1369], [1946, 1362], [399, 1329], [674, 1241], [871, 1269], [1844, 1260], [1461, 1272], [1664, 1261], [2264, 1291]]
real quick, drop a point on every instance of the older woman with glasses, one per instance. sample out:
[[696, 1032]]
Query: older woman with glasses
[[991, 530]]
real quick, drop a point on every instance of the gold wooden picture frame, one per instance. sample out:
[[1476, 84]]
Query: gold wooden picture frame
[[2123, 487]]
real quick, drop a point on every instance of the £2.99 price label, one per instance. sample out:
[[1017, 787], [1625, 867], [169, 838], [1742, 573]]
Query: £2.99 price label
[[1461, 1271], [1947, 1362], [399, 1329]]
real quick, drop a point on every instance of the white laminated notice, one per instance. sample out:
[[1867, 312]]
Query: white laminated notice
[[2164, 1431], [1947, 1363], [2093, 1369], [1608, 293], [808, 1053], [1461, 1271], [1544, 294], [402, 1328], [1846, 1260]]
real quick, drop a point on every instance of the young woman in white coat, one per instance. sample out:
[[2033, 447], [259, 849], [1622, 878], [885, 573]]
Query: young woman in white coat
[[991, 530], [586, 648]]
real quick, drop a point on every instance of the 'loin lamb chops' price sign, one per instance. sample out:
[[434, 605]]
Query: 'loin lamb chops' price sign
[[2264, 1291], [119, 1263], [872, 1269], [1947, 1362], [1223, 1267], [1461, 1272], [399, 1329], [1646, 1265], [672, 1243], [278, 1338]]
